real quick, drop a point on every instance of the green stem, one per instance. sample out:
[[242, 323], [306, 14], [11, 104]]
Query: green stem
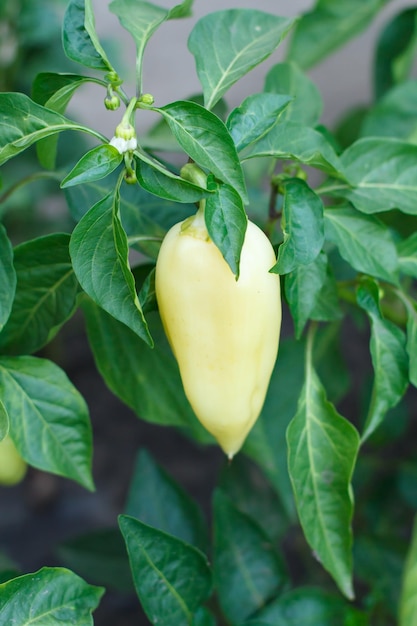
[[123, 96], [346, 291], [273, 214], [346, 294], [139, 238], [327, 190], [374, 397], [89, 131], [311, 333], [119, 184], [28, 179], [127, 118], [139, 65], [405, 299], [194, 174], [408, 302]]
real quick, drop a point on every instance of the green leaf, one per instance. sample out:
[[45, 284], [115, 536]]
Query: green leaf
[[157, 500], [49, 419], [141, 20], [394, 115], [322, 450], [247, 569], [363, 241], [205, 138], [90, 27], [303, 227], [147, 380], [57, 89], [164, 184], [79, 37], [307, 105], [147, 294], [407, 255], [349, 126], [329, 25], [172, 578], [100, 557], [159, 137], [203, 617], [54, 91], [4, 421], [50, 596], [326, 307], [145, 217], [99, 253], [252, 494], [24, 122], [184, 9], [255, 117], [379, 560], [411, 345], [330, 362], [309, 606], [45, 294], [46, 34], [289, 140], [94, 165], [408, 599], [395, 51], [309, 290], [227, 44], [266, 443], [389, 359], [7, 277], [382, 173], [226, 223]]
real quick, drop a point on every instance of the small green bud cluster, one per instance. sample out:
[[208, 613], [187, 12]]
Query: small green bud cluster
[[112, 102], [146, 98]]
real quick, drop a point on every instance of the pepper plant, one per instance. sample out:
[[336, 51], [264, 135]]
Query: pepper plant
[[312, 521]]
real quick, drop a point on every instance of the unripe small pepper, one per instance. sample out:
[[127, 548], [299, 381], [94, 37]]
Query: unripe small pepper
[[12, 466], [223, 332]]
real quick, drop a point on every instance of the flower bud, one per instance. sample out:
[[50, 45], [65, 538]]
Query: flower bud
[[147, 98], [112, 103]]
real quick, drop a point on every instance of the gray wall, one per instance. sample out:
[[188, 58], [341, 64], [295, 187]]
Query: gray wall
[[169, 72]]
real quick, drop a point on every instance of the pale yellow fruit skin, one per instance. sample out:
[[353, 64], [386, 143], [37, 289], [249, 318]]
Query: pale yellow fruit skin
[[12, 466], [224, 333]]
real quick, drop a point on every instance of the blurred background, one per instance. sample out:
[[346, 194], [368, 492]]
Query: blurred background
[[45, 511]]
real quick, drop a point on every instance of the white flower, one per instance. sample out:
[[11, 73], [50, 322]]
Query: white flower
[[132, 144], [124, 145]]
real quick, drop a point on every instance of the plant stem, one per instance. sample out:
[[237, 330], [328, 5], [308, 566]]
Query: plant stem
[[311, 333], [28, 179], [273, 214], [388, 310], [327, 190], [127, 119], [139, 238]]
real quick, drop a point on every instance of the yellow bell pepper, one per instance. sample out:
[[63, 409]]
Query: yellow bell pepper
[[223, 332]]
